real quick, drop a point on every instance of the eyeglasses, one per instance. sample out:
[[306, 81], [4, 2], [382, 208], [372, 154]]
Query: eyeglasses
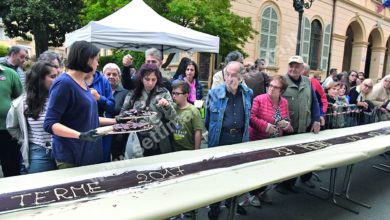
[[274, 87], [368, 86], [178, 93]]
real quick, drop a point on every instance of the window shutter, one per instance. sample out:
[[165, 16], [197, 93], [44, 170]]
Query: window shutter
[[305, 39], [325, 48], [268, 35]]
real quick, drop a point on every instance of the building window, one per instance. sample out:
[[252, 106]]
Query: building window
[[305, 39], [325, 48], [268, 35], [315, 45]]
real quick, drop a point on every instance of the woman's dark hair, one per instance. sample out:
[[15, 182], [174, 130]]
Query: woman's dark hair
[[146, 70], [181, 69], [283, 82], [36, 92], [331, 85], [79, 55], [195, 67]]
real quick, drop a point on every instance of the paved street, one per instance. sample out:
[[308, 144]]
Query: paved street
[[368, 185]]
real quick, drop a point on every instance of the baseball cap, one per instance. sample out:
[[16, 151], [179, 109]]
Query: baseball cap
[[295, 59]]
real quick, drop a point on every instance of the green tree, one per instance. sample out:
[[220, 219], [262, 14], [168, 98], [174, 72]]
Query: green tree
[[3, 50], [213, 17], [46, 20], [209, 16], [138, 58]]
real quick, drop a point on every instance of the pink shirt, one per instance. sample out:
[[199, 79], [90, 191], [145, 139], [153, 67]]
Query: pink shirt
[[192, 95]]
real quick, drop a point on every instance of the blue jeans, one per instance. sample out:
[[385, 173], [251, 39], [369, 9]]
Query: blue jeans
[[40, 159]]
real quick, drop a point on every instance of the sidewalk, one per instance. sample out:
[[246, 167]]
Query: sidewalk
[[368, 185]]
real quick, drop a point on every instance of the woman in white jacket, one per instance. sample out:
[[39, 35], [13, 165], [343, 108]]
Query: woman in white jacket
[[26, 115]]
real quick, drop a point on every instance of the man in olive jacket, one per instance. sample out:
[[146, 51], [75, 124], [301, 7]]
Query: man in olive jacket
[[304, 111]]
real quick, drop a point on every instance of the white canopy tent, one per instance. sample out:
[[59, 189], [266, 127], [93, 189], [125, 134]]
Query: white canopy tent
[[137, 27]]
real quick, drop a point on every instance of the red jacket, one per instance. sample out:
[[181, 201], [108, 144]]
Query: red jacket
[[263, 113], [320, 91]]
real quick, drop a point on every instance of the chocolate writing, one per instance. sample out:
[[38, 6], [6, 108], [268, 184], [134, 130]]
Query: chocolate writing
[[58, 194], [354, 138], [159, 175], [283, 151]]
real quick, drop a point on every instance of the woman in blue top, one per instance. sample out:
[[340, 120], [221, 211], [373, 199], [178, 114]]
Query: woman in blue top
[[72, 113]]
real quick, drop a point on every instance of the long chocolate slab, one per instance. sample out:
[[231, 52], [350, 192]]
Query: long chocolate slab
[[91, 187]]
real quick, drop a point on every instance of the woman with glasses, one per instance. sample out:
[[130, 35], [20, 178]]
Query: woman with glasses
[[191, 77], [358, 96], [151, 96], [26, 116], [269, 118]]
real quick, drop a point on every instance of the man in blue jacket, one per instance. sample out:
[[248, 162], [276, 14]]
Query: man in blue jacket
[[227, 117]]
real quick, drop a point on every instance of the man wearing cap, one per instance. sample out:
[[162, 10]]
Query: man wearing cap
[[302, 102], [303, 108]]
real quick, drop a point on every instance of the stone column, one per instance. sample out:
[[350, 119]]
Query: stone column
[[387, 64], [359, 54], [377, 58], [337, 55]]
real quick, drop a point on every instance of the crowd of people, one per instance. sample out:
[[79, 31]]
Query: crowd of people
[[49, 117]]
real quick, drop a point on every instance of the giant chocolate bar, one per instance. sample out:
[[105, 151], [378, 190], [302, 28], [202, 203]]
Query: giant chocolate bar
[[93, 187]]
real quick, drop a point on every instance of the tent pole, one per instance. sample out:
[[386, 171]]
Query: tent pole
[[211, 68]]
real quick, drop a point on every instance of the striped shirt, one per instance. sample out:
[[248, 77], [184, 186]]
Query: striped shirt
[[36, 134]]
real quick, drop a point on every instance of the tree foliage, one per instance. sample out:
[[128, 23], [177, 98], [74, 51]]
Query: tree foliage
[[213, 17], [138, 58], [46, 20], [3, 50], [209, 16]]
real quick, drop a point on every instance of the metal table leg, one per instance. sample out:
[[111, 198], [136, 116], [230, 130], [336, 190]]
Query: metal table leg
[[332, 192], [346, 185], [382, 167], [232, 209]]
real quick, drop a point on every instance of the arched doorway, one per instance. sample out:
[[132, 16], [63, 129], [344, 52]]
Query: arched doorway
[[348, 49], [354, 46], [375, 55], [386, 62], [315, 45], [368, 58]]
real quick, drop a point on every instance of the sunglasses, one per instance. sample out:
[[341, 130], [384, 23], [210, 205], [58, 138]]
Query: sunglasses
[[368, 86]]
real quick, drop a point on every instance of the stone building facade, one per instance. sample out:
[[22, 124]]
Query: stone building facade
[[359, 39]]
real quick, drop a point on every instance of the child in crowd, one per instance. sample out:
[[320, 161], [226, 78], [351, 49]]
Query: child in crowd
[[188, 132]]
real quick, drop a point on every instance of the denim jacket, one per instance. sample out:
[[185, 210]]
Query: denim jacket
[[216, 103]]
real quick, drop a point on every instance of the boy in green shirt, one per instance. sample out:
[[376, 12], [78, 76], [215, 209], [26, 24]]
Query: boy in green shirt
[[188, 134]]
